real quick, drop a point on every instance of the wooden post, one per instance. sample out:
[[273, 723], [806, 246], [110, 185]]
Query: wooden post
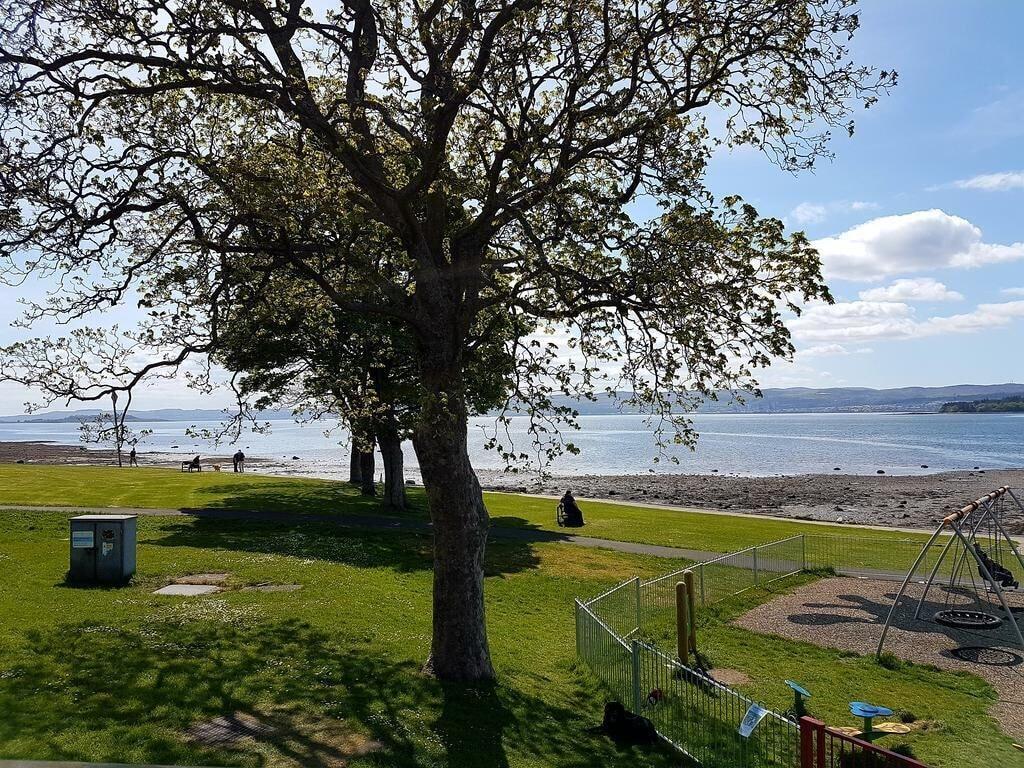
[[682, 623], [691, 613]]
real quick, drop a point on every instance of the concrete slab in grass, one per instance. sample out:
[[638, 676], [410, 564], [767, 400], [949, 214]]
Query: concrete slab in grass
[[187, 590]]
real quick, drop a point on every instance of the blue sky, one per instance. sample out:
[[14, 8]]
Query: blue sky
[[919, 217], [928, 192]]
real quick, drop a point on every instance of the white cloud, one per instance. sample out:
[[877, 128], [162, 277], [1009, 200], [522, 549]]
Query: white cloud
[[808, 213], [822, 350], [913, 289], [991, 182], [911, 242], [1013, 291], [857, 321], [814, 213]]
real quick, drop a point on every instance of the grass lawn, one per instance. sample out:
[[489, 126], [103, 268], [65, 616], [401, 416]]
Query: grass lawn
[[103, 487], [121, 675]]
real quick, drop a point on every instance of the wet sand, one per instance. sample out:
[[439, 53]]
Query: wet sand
[[78, 455]]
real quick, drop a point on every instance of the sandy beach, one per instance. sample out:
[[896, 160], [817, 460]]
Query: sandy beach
[[917, 501]]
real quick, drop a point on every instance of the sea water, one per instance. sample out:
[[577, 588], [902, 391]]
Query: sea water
[[745, 444]]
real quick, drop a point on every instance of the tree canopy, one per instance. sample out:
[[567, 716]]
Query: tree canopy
[[539, 162]]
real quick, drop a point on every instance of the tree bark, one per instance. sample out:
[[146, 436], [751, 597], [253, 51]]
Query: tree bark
[[394, 464], [366, 470], [355, 476], [459, 649]]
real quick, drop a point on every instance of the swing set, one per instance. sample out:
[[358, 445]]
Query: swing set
[[982, 553]]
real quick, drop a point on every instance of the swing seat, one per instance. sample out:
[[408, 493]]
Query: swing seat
[[961, 619]]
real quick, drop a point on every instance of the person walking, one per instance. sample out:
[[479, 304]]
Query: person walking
[[133, 460], [238, 461]]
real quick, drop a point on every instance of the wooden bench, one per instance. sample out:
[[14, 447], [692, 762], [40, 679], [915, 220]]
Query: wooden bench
[[188, 466]]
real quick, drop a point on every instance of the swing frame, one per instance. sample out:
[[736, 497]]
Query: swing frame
[[955, 523]]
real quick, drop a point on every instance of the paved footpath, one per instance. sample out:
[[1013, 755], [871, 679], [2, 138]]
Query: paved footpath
[[410, 525]]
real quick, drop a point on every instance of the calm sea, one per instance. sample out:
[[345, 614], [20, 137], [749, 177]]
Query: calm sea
[[740, 444]]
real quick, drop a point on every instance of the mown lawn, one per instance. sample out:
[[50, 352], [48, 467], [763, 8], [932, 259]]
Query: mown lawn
[[108, 487], [121, 675]]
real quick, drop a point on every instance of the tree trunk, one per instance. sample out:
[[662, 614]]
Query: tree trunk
[[459, 649], [366, 469], [394, 464], [355, 476]]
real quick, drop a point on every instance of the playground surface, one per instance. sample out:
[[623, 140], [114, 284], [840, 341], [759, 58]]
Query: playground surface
[[847, 614]]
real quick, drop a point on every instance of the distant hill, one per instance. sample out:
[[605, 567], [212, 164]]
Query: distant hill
[[160, 414], [788, 400], [1003, 405], [836, 400]]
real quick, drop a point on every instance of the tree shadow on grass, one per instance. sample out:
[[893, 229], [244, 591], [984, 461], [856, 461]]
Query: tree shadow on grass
[[401, 551], [287, 496], [88, 691]]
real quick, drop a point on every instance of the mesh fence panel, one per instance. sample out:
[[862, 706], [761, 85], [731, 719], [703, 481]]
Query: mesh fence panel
[[690, 710]]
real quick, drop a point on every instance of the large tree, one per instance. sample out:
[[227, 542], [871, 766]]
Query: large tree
[[545, 161]]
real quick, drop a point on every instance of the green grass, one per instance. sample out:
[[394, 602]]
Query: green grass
[[105, 487], [120, 675]]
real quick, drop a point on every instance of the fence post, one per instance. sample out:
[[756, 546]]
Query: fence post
[[703, 602], [809, 756], [639, 616], [756, 580], [579, 633], [634, 649], [803, 551], [683, 620]]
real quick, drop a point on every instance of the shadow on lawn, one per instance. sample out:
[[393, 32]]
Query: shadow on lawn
[[92, 692], [326, 498], [402, 551]]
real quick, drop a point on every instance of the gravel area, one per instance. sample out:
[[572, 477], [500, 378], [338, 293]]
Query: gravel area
[[848, 614], [918, 501]]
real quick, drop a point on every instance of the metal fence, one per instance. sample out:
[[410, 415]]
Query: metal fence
[[691, 711], [822, 747]]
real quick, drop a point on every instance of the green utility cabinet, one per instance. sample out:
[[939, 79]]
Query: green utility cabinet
[[102, 549]]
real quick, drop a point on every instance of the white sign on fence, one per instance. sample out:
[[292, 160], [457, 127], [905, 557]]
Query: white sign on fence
[[750, 720]]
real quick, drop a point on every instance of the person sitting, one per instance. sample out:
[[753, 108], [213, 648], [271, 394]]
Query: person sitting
[[999, 573], [195, 465], [570, 515]]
